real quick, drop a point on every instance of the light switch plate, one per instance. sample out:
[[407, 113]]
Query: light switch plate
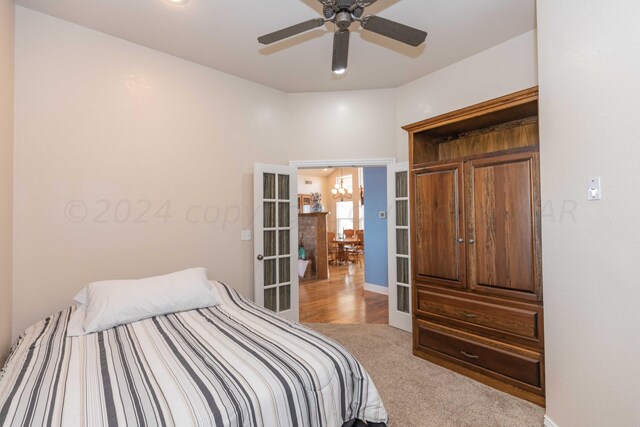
[[246, 235], [594, 191]]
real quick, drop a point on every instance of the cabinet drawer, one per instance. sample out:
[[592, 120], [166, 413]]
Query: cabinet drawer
[[516, 321], [518, 365]]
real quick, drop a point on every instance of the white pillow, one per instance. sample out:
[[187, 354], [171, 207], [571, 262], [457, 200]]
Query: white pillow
[[75, 327], [117, 302]]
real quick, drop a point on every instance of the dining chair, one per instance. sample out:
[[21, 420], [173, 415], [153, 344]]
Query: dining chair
[[334, 249], [356, 253], [350, 247]]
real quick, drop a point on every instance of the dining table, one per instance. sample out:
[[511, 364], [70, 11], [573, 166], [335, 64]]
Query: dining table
[[342, 253]]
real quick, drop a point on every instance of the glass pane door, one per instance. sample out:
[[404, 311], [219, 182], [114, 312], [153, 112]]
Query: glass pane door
[[275, 226], [399, 249]]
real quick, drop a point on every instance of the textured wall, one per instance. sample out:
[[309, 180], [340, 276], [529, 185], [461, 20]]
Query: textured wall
[[317, 183], [7, 19], [506, 68], [342, 125], [130, 163], [589, 56]]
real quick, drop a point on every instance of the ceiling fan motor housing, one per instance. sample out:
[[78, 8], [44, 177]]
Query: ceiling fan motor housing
[[344, 19]]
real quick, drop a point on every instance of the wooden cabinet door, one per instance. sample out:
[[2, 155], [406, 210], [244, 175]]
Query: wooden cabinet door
[[438, 223], [503, 220]]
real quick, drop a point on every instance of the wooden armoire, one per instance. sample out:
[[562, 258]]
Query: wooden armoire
[[476, 244]]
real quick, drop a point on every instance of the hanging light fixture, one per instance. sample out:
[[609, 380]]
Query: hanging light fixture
[[340, 191]]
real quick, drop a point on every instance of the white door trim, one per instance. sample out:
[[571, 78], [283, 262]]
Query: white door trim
[[358, 163]]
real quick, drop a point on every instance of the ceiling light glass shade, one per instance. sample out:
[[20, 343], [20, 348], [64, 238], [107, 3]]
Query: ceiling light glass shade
[[178, 1], [340, 71], [340, 191]]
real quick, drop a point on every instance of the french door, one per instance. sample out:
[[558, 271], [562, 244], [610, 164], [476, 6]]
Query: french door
[[276, 239], [399, 247]]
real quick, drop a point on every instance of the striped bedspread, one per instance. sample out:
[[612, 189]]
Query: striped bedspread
[[235, 364]]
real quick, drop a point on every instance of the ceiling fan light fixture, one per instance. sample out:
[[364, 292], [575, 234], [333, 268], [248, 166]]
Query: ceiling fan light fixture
[[340, 71]]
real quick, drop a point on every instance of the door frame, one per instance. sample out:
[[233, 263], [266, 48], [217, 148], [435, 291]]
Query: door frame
[[387, 162], [355, 163]]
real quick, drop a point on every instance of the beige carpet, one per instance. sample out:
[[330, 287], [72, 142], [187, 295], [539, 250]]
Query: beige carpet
[[419, 393]]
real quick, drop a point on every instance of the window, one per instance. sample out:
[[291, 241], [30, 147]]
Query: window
[[344, 217]]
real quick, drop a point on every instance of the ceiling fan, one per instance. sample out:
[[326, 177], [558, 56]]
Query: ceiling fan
[[343, 13]]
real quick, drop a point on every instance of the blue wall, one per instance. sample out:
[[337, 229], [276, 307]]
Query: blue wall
[[375, 228]]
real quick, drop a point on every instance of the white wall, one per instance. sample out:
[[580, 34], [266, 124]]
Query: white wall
[[342, 125], [589, 105], [98, 118], [317, 184], [7, 22], [500, 70], [118, 124], [354, 125]]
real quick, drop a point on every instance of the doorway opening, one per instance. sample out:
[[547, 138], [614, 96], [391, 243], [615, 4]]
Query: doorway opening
[[343, 241], [280, 258]]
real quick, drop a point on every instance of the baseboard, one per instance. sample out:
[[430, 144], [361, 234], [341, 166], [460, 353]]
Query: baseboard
[[548, 422], [376, 288]]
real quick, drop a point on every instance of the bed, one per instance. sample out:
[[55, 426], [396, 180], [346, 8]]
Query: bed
[[234, 364]]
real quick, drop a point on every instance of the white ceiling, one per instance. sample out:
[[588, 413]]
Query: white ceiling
[[222, 34]]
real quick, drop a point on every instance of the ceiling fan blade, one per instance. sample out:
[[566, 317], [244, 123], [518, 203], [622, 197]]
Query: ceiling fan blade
[[394, 30], [291, 31], [340, 51]]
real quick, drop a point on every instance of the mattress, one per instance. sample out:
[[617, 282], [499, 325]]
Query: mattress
[[235, 364]]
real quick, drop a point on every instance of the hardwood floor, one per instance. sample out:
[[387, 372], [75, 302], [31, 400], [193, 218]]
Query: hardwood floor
[[342, 299]]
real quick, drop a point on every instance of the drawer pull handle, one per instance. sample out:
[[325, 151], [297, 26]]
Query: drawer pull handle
[[469, 355], [469, 315]]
